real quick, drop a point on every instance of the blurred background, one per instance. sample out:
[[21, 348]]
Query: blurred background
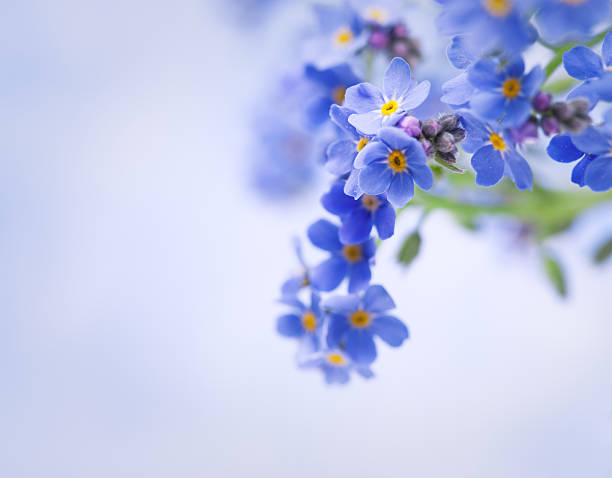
[[140, 268]]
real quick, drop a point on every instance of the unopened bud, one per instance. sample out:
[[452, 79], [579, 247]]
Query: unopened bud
[[431, 128], [378, 39], [550, 125], [411, 125], [445, 143], [541, 102]]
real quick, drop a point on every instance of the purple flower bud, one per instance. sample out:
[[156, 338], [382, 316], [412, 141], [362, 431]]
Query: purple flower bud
[[541, 102], [411, 125], [527, 131], [562, 111], [427, 146], [378, 39], [448, 122], [445, 143], [550, 125], [399, 49], [400, 30], [431, 128]]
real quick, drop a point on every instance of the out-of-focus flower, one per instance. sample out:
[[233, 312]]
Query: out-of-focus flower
[[303, 321], [294, 284], [336, 366], [352, 260], [562, 19]]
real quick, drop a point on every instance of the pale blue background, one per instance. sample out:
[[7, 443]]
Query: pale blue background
[[138, 275]]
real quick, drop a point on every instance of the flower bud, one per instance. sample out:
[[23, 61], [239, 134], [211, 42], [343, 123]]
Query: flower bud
[[541, 102], [378, 39], [431, 128], [562, 111], [411, 125], [427, 146], [400, 30], [550, 125], [448, 122], [445, 143]]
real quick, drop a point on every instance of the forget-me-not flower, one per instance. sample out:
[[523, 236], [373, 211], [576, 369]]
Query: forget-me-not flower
[[303, 322], [375, 109], [336, 365], [560, 19]]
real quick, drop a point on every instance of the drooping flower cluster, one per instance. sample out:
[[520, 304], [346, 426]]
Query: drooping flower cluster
[[382, 153]]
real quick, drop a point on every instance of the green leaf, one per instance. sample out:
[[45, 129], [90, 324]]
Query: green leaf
[[410, 249], [555, 275], [603, 252], [451, 167]]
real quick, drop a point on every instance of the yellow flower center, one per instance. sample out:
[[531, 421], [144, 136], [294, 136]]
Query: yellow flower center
[[336, 359], [362, 142], [309, 321], [343, 36], [498, 8], [498, 142], [375, 13], [352, 253], [511, 87], [389, 107], [360, 319], [371, 203], [338, 94], [397, 161]]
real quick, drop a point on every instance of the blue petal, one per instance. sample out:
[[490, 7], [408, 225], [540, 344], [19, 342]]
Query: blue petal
[[579, 171], [360, 346], [477, 133], [397, 139], [290, 325], [390, 329], [344, 304], [582, 63], [329, 274], [359, 276], [340, 157], [338, 203], [415, 154], [515, 68], [368, 123], [586, 90], [363, 97], [484, 75], [376, 299], [396, 82], [415, 96], [401, 189], [599, 174], [375, 178], [373, 151], [603, 87], [384, 220], [459, 54], [356, 227], [487, 104], [324, 235], [336, 375], [338, 327], [422, 175], [532, 81], [457, 90], [315, 303], [606, 49], [317, 111], [340, 115], [591, 141], [489, 166], [521, 172], [351, 188], [516, 112], [292, 286], [562, 149]]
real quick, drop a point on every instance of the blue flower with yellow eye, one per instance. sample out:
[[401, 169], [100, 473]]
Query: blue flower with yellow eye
[[375, 109], [488, 24], [503, 93], [341, 153], [593, 148], [352, 260], [354, 320], [331, 84], [303, 322], [560, 19], [494, 155], [392, 165], [584, 64], [359, 215], [336, 366]]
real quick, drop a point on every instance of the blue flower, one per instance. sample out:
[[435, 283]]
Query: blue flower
[[559, 19], [302, 322], [294, 284], [340, 36], [359, 215], [351, 260], [336, 366], [354, 320], [341, 153], [583, 64], [494, 155], [393, 165], [375, 108], [331, 84], [488, 24], [503, 93], [379, 12], [593, 148]]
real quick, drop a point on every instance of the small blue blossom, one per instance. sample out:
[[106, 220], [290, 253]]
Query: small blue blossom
[[354, 320], [594, 150], [494, 155], [380, 13], [352, 260], [491, 24], [584, 64], [392, 165], [335, 365], [341, 153], [503, 93], [302, 322], [359, 215], [294, 284], [560, 19], [375, 108], [331, 86]]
